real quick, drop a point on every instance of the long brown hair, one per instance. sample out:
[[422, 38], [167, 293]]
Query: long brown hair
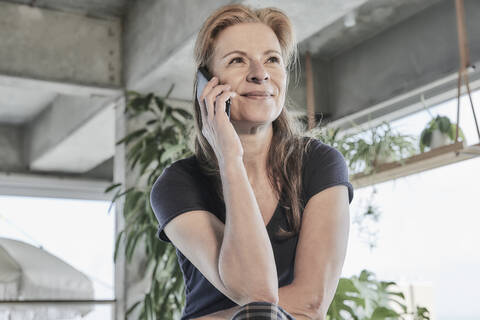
[[286, 158]]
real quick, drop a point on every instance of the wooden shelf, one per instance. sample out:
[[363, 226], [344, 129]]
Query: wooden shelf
[[434, 158]]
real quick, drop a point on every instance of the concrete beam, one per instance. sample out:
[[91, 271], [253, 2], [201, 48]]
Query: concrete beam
[[12, 156], [408, 103], [13, 159], [366, 21], [34, 185], [59, 51], [102, 171], [19, 106], [159, 37], [417, 55], [104, 9], [71, 135]]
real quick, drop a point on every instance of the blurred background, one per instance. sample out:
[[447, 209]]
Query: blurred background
[[384, 73]]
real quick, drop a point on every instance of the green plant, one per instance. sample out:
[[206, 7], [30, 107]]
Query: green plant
[[162, 139], [332, 137], [364, 298], [442, 124], [366, 150], [381, 144]]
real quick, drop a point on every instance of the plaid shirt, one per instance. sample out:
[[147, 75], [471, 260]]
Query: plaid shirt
[[262, 311]]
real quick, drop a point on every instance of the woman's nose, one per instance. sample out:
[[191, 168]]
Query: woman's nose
[[257, 73]]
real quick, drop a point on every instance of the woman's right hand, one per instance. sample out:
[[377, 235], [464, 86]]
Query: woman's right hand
[[216, 127]]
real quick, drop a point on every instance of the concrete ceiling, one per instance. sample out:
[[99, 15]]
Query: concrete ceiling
[[63, 64], [20, 105], [105, 9], [360, 24]]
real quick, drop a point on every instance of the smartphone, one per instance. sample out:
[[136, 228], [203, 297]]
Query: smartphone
[[203, 76]]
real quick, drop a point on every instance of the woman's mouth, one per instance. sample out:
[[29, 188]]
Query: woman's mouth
[[257, 95]]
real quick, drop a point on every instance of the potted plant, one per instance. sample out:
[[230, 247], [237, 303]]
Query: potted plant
[[376, 146], [439, 132]]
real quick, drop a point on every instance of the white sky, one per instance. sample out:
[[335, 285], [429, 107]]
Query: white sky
[[428, 232]]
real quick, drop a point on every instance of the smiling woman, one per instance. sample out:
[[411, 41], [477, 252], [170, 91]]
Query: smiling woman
[[259, 215]]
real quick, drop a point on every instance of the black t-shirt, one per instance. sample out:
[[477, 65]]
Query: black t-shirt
[[182, 187]]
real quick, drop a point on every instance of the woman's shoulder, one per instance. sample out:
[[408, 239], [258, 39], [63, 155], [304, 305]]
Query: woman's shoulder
[[324, 166], [320, 156], [317, 148], [185, 170], [188, 165]]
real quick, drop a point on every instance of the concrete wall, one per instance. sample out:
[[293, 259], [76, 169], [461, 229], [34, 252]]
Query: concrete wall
[[414, 53], [58, 46]]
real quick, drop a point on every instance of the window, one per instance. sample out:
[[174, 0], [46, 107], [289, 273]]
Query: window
[[79, 232], [428, 230]]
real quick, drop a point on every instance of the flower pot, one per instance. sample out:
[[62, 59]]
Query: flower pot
[[439, 139], [382, 158]]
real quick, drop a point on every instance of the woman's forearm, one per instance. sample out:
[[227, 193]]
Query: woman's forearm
[[246, 260], [291, 299]]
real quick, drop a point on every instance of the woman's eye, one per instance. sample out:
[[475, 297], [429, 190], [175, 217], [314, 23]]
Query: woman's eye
[[273, 59], [234, 60]]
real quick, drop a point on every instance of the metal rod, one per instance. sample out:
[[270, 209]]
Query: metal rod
[[464, 62], [459, 85], [462, 47], [471, 103]]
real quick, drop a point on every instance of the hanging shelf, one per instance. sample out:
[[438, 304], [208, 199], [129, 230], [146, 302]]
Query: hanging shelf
[[440, 156], [434, 158]]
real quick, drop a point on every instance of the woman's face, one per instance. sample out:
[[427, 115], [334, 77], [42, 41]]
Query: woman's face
[[248, 57]]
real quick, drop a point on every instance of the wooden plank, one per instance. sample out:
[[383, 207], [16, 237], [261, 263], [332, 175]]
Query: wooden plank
[[434, 158]]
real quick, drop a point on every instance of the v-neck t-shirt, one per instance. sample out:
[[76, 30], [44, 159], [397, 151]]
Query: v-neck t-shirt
[[182, 187]]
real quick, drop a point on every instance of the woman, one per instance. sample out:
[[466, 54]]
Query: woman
[[257, 199]]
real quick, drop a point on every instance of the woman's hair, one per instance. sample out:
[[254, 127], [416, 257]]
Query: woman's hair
[[287, 148]]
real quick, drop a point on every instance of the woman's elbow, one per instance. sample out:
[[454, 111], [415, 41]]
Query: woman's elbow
[[271, 297]]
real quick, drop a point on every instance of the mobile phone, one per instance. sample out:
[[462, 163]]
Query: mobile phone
[[203, 76]]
